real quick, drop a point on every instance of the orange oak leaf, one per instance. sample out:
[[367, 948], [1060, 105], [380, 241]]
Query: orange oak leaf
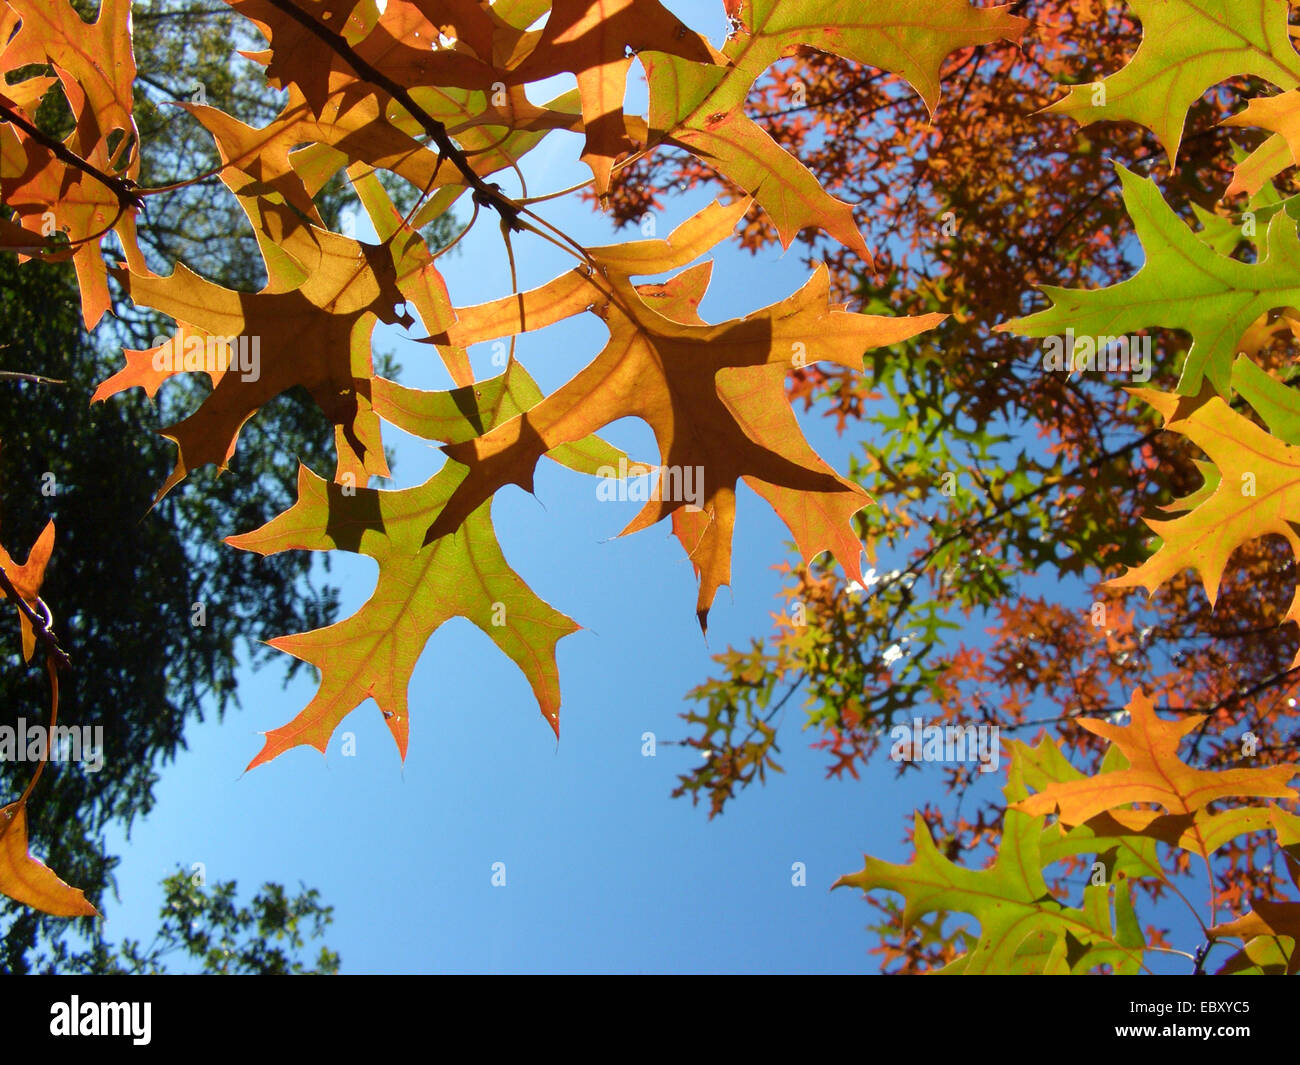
[[48, 195], [1251, 490], [28, 881], [411, 45], [311, 330], [403, 41], [310, 140], [1155, 773], [710, 393], [756, 397], [22, 877], [493, 122], [94, 58], [96, 68], [1280, 115], [26, 95], [592, 40], [14, 237], [27, 580], [417, 277], [151, 367]]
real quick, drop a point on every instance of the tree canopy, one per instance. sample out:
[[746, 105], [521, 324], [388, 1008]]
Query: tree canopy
[[1050, 250]]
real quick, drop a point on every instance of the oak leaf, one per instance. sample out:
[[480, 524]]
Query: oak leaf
[[699, 107], [29, 881], [1155, 773], [1251, 489], [1280, 115], [1187, 47], [27, 580], [372, 654], [1271, 931], [308, 327], [711, 394], [96, 69], [1023, 928], [593, 39], [408, 42], [1269, 921], [1183, 284]]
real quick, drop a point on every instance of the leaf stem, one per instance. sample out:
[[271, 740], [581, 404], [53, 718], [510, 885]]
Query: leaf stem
[[41, 626]]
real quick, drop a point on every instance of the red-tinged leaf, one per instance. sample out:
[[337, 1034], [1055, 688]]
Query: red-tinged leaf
[[409, 43], [93, 60], [96, 68]]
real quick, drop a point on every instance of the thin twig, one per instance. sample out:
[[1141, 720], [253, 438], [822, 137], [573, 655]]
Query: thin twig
[[123, 188], [52, 668], [486, 194], [34, 378]]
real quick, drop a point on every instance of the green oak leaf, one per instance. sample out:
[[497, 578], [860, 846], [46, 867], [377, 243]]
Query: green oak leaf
[[1188, 46], [1183, 284], [1023, 927], [373, 653]]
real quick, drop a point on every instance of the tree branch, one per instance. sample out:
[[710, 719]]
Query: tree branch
[[122, 188], [34, 378], [484, 193]]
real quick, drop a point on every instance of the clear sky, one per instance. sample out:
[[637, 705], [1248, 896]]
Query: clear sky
[[604, 872]]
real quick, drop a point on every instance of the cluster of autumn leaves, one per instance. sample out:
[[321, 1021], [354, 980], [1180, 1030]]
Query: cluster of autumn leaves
[[390, 87], [433, 92], [1143, 794]]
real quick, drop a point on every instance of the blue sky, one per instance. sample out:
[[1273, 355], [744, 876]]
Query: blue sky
[[603, 871]]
